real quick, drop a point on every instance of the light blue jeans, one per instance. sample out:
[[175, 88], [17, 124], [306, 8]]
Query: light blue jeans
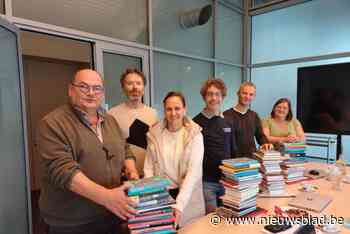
[[212, 191]]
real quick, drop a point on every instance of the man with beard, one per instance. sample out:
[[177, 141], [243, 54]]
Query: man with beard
[[82, 154], [134, 117], [246, 123], [218, 144]]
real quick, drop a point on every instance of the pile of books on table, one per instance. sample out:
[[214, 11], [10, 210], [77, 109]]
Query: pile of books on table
[[293, 149], [154, 213], [241, 179], [273, 181], [293, 169]]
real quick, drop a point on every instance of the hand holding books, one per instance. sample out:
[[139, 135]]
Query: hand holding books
[[118, 203]]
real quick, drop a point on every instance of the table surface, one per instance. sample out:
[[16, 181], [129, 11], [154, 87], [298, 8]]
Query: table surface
[[339, 207]]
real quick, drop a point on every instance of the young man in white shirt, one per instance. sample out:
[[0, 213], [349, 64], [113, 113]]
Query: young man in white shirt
[[133, 109]]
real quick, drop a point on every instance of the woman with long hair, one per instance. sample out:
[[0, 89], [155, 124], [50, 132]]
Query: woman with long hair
[[281, 127]]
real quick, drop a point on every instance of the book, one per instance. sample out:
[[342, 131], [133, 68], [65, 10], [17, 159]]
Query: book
[[246, 173], [241, 212], [240, 162], [147, 185], [153, 208], [153, 217], [153, 229], [150, 197], [228, 166], [155, 223], [243, 178], [154, 212], [156, 202]]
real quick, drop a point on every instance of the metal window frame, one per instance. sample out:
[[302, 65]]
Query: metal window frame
[[16, 31], [8, 7], [232, 6], [96, 40], [104, 47], [272, 6]]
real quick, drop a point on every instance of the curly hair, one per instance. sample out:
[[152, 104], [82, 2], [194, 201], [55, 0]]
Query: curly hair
[[217, 83]]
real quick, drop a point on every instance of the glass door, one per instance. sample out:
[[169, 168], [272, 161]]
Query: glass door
[[112, 60], [15, 209]]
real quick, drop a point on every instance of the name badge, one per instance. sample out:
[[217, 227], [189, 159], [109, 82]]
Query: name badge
[[227, 130]]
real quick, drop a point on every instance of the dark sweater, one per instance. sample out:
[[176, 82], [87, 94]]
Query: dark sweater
[[65, 146], [246, 126], [217, 145]]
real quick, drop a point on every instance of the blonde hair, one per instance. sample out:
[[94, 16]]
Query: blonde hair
[[245, 84]]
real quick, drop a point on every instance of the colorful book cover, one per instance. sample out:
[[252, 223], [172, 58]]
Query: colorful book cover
[[240, 162], [153, 229], [153, 208], [228, 166], [149, 197], [154, 212], [161, 201], [246, 173], [148, 185], [148, 218], [155, 223]]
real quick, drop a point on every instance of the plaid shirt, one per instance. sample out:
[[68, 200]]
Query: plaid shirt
[[83, 116]]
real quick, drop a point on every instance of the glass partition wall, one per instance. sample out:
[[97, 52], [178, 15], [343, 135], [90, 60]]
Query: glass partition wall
[[173, 51], [14, 196]]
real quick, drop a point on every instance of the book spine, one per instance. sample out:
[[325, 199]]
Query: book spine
[[155, 212], [153, 229], [147, 209], [151, 217], [151, 224], [149, 186], [166, 231], [160, 201], [145, 191], [153, 197], [159, 204], [246, 173]]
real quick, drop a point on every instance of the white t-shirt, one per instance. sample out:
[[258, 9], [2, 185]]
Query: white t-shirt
[[126, 115]]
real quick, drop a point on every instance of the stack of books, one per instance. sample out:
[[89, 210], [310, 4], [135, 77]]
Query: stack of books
[[241, 179], [273, 180], [293, 169], [152, 202], [293, 149]]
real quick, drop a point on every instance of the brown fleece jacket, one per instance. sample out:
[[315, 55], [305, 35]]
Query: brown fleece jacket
[[66, 145]]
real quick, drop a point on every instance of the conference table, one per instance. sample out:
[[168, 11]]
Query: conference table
[[339, 207]]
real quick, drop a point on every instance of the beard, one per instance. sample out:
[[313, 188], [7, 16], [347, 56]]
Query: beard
[[135, 97]]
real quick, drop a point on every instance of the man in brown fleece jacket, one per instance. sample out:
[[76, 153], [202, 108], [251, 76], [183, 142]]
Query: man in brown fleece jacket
[[82, 153]]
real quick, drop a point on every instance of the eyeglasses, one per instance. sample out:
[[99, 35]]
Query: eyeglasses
[[85, 88], [213, 94]]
